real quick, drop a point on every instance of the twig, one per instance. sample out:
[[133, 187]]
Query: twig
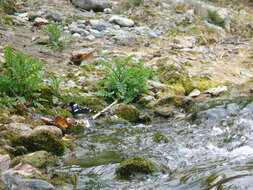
[[104, 110]]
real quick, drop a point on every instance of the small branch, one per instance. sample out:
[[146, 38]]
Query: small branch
[[104, 110]]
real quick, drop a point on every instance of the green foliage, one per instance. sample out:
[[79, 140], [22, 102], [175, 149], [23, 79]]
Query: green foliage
[[22, 76], [214, 18], [7, 6], [54, 34], [125, 80]]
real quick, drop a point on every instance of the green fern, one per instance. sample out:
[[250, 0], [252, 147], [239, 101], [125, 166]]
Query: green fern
[[126, 80], [22, 75]]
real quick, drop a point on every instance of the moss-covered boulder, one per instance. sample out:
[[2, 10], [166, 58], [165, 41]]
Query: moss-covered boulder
[[39, 159], [40, 141], [135, 165], [127, 112]]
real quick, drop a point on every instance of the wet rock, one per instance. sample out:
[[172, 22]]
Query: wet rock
[[40, 140], [5, 161], [137, 165], [14, 181], [194, 93], [127, 112], [53, 15], [95, 5], [49, 129], [217, 91], [122, 21], [39, 159], [33, 15]]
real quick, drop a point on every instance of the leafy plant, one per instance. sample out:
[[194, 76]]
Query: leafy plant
[[125, 80], [215, 18], [8, 6], [54, 33], [22, 76]]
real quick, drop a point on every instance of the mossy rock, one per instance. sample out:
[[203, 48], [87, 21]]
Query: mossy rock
[[41, 141], [177, 80], [4, 116], [204, 83], [127, 112], [134, 165], [160, 138], [39, 159]]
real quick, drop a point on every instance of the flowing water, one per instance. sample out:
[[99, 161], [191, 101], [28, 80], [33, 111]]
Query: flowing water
[[211, 149]]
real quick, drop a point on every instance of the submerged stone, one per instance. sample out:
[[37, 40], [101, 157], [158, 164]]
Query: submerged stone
[[133, 166]]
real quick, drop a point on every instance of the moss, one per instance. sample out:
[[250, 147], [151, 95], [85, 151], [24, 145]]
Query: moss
[[127, 112], [40, 159], [204, 83], [41, 141], [133, 166]]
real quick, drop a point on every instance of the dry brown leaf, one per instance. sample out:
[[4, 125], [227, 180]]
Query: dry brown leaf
[[77, 59], [62, 123]]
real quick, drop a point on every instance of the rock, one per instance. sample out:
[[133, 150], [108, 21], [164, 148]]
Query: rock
[[39, 159], [164, 111], [19, 128], [33, 15], [194, 93], [132, 166], [14, 181], [95, 5], [90, 37], [5, 161], [216, 91], [17, 119], [122, 21], [40, 21], [76, 35], [41, 140], [127, 112], [49, 129], [53, 15]]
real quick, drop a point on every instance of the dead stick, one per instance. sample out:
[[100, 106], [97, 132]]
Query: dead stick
[[104, 110]]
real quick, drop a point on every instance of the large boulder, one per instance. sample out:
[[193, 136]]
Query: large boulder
[[95, 5]]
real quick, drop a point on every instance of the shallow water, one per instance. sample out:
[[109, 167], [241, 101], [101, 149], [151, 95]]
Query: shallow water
[[211, 147]]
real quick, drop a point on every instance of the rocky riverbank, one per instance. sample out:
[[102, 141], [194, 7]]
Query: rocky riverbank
[[199, 54]]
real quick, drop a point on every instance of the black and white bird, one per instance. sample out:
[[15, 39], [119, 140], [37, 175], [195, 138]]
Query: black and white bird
[[78, 110]]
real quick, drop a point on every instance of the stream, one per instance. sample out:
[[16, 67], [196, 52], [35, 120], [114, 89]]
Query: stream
[[211, 149]]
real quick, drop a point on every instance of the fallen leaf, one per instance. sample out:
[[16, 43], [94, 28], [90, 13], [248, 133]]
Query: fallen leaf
[[47, 121], [77, 59], [68, 137], [62, 123]]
